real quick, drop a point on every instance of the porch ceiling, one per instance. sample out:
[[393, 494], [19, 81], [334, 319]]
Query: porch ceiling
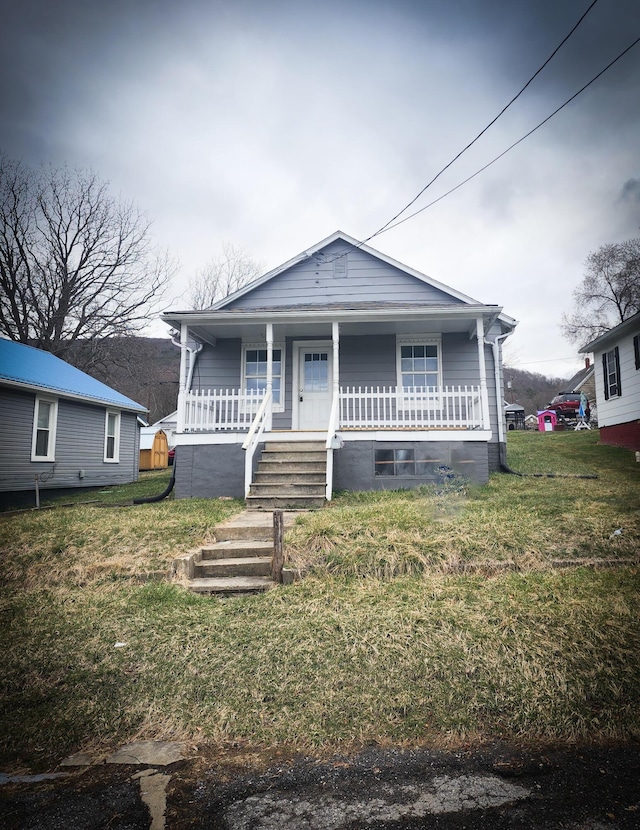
[[248, 325]]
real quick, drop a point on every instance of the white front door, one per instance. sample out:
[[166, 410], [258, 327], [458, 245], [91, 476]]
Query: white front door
[[314, 387]]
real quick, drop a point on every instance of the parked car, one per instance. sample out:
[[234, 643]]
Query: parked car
[[172, 455], [567, 404]]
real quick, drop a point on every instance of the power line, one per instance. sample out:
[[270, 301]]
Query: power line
[[484, 130], [389, 226]]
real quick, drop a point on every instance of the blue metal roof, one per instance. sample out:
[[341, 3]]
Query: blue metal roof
[[41, 371]]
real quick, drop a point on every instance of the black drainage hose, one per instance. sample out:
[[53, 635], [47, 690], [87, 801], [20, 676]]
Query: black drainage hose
[[164, 494], [505, 469]]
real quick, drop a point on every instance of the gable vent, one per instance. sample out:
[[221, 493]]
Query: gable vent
[[340, 267]]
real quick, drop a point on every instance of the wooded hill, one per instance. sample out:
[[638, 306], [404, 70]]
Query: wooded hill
[[531, 390]]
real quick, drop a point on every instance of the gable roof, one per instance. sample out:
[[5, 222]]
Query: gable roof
[[320, 246], [609, 337], [580, 378], [25, 367]]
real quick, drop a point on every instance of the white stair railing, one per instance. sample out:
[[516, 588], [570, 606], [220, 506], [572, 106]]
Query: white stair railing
[[253, 439]]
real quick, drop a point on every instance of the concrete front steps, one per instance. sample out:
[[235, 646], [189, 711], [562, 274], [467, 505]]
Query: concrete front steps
[[238, 562], [291, 474]]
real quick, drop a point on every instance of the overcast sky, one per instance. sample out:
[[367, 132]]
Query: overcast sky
[[273, 123]]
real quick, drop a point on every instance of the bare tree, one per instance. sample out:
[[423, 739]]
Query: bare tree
[[223, 275], [75, 263], [608, 294]]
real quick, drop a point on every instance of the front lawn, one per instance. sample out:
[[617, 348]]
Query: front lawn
[[379, 643]]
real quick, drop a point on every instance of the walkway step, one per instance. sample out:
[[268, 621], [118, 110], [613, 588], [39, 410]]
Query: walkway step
[[263, 503], [242, 566], [231, 585], [237, 548], [277, 465], [302, 454], [295, 446], [288, 489], [289, 477]]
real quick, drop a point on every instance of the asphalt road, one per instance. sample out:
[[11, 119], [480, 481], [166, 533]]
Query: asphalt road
[[495, 787]]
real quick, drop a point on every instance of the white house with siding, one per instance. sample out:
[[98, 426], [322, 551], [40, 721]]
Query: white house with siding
[[60, 426], [340, 369], [617, 372]]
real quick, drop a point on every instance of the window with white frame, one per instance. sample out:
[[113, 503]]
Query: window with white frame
[[112, 437], [418, 362], [611, 373], [254, 371], [45, 418]]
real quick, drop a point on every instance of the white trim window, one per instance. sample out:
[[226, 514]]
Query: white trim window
[[45, 421], [254, 371], [419, 364], [112, 437], [611, 373]]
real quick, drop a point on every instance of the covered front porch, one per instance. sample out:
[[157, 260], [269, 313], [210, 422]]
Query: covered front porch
[[341, 376]]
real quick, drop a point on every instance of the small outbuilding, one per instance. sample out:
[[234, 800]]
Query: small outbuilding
[[154, 449], [514, 416], [547, 420]]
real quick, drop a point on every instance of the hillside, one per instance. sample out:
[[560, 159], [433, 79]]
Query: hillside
[[145, 369], [529, 389]]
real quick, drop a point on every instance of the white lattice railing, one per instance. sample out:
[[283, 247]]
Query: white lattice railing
[[381, 407], [213, 410]]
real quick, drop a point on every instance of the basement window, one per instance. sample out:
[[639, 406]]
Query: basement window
[[403, 462]]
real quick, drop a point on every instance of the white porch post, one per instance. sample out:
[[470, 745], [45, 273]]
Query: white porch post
[[335, 407], [269, 418], [182, 389], [484, 393], [335, 336]]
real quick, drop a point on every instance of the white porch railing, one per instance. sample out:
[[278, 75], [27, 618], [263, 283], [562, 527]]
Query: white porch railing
[[358, 407], [382, 407], [213, 410]]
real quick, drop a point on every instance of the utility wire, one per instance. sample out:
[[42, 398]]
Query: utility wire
[[483, 131], [389, 226]]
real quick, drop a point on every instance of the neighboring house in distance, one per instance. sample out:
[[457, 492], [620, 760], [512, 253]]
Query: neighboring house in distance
[[342, 369], [585, 381], [61, 425], [617, 363]]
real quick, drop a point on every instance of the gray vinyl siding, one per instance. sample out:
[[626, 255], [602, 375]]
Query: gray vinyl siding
[[320, 280], [219, 367], [368, 360], [79, 446]]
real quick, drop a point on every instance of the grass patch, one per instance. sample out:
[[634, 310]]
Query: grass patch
[[377, 644], [527, 521], [546, 656]]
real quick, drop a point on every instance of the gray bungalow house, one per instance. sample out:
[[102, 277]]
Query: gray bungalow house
[[61, 428], [342, 369]]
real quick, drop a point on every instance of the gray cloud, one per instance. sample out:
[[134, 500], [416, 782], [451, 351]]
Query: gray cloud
[[273, 124], [631, 191]]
